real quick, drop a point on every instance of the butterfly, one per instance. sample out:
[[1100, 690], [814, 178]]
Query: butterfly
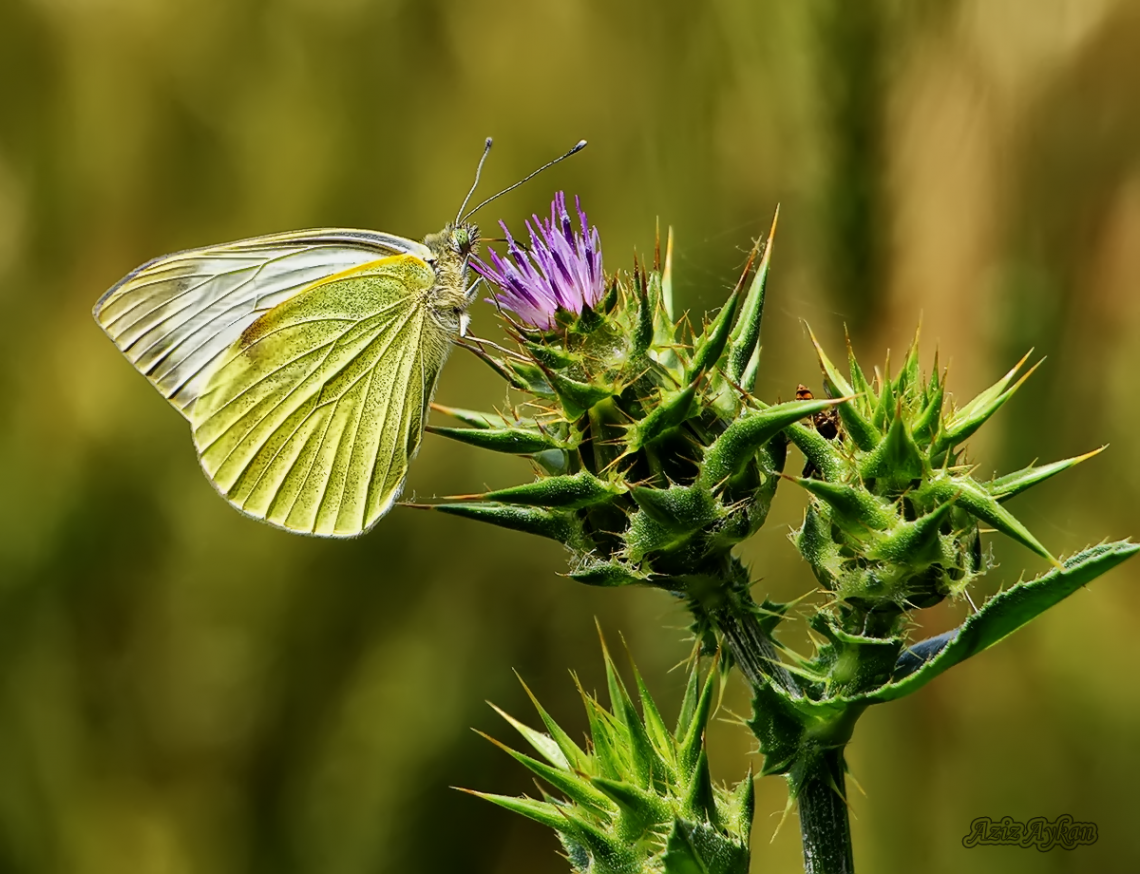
[[305, 362]]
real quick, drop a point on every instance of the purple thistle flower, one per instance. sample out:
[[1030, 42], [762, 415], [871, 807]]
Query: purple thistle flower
[[562, 268]]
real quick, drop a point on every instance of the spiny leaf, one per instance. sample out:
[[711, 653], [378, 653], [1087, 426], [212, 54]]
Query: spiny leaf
[[913, 542], [691, 743], [745, 336], [573, 753], [516, 441], [823, 454], [475, 418], [642, 338], [674, 408], [695, 848], [577, 397], [1005, 487], [833, 379], [852, 504], [678, 508], [974, 498], [971, 417], [1004, 613], [654, 724], [540, 811], [700, 802], [712, 343], [572, 491], [743, 438], [896, 459], [643, 757], [557, 525], [546, 746], [569, 784]]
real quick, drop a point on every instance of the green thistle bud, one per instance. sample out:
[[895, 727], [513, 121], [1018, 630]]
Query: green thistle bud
[[639, 798], [895, 512]]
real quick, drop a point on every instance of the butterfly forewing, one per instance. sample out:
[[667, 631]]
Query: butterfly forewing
[[176, 316], [310, 418]]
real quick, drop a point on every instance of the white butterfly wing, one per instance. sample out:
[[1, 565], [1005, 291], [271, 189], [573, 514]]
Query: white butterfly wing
[[175, 317], [311, 418]]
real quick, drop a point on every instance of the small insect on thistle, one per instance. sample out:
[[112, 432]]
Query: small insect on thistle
[[306, 361]]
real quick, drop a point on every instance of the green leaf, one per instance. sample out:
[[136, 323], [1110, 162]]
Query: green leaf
[[740, 441], [688, 704], [700, 802], [1003, 614], [667, 278], [823, 454], [516, 441], [858, 427], [896, 459], [712, 342], [675, 407], [695, 848], [1005, 487], [972, 416], [541, 812], [607, 736], [691, 744], [744, 805], [609, 574], [911, 375], [546, 746], [778, 727], [572, 491], [678, 508], [914, 543], [644, 808], [859, 386], [851, 504], [643, 757], [643, 333], [576, 788], [745, 337], [557, 525], [475, 418], [974, 498], [570, 750], [654, 723], [833, 379], [576, 397], [609, 854]]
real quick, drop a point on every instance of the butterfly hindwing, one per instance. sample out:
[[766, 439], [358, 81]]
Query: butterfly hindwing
[[310, 418]]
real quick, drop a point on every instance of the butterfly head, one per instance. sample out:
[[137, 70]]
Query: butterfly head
[[451, 249]]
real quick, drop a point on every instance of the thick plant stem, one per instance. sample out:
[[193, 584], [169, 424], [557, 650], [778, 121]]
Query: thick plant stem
[[824, 825], [753, 650]]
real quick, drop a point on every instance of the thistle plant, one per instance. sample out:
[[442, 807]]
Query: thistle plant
[[639, 798], [654, 458]]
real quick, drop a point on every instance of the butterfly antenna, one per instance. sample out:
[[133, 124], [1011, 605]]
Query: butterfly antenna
[[475, 184], [581, 144]]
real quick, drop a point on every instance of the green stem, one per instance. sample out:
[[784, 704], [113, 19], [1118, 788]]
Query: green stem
[[753, 650], [824, 826]]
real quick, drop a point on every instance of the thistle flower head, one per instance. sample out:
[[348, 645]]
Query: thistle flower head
[[560, 270], [653, 459]]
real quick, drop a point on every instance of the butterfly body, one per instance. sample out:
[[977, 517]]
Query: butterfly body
[[305, 362]]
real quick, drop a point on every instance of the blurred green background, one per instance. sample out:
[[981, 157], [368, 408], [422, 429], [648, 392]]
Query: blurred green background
[[183, 690]]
